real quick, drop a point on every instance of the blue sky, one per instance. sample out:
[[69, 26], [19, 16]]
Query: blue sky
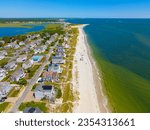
[[76, 8]]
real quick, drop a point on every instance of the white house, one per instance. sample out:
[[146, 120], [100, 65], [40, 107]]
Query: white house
[[18, 74], [22, 58], [45, 91], [21, 43], [3, 73], [27, 64], [10, 66], [5, 88]]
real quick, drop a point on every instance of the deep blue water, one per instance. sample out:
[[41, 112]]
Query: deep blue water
[[124, 42], [13, 31]]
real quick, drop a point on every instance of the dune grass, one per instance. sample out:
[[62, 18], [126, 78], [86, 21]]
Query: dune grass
[[3, 106], [40, 105]]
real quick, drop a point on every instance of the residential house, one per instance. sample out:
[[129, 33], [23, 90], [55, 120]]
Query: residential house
[[47, 34], [2, 56], [27, 64], [57, 60], [55, 68], [53, 37], [60, 54], [45, 91], [2, 42], [5, 88], [40, 49], [3, 53], [48, 42], [10, 65], [60, 49], [25, 50], [3, 73], [18, 74], [32, 46], [9, 46], [22, 58], [15, 45], [32, 110], [50, 76], [21, 43]]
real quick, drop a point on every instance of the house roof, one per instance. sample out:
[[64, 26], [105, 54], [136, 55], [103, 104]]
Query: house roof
[[18, 72], [44, 88], [32, 110], [56, 57]]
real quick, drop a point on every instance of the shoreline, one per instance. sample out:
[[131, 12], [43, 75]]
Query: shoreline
[[91, 97]]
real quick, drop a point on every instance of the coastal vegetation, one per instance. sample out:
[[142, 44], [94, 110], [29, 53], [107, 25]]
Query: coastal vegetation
[[4, 106], [41, 105]]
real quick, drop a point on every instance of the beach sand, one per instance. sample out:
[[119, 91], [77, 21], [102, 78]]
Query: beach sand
[[86, 79]]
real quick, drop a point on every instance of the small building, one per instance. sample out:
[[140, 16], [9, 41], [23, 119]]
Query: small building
[[3, 73], [21, 43], [57, 60], [1, 56], [32, 110], [25, 50], [18, 74], [22, 58], [45, 91], [27, 64], [32, 46], [5, 88], [55, 68], [15, 46], [49, 76], [60, 54], [40, 49], [3, 53], [10, 66], [60, 49]]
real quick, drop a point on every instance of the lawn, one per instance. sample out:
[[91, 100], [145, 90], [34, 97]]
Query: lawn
[[33, 70], [67, 93], [4, 106], [3, 62], [40, 105], [54, 28], [14, 92]]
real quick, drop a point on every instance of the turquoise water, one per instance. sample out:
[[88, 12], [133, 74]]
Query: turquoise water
[[122, 50], [13, 31], [36, 58]]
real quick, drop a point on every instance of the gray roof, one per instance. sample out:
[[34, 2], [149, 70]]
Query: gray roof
[[57, 57], [32, 110], [44, 88]]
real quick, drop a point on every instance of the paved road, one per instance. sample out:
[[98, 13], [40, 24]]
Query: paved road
[[32, 82]]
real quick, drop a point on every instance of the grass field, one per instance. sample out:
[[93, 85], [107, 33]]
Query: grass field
[[54, 28], [40, 105], [126, 91], [3, 106]]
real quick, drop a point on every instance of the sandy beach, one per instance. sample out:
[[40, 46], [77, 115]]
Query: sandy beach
[[86, 79]]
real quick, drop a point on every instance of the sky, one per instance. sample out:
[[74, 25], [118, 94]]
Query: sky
[[75, 8]]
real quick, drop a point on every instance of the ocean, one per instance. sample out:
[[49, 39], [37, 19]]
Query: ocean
[[121, 48]]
